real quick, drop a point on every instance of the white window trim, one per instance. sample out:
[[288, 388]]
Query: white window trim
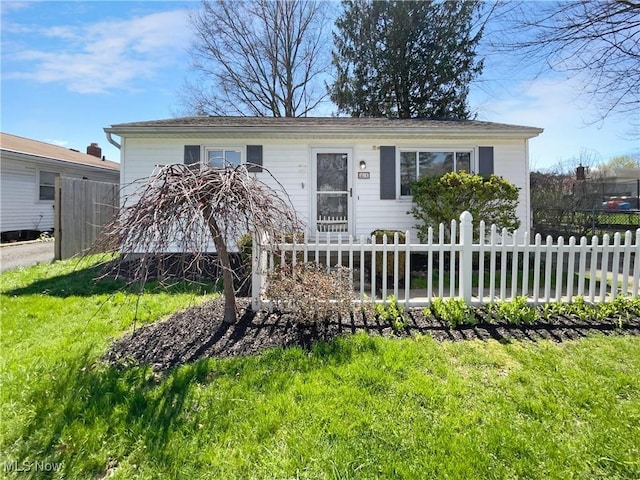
[[208, 148], [38, 184], [462, 149]]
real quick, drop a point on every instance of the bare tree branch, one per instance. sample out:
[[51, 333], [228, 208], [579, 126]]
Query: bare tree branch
[[597, 41], [259, 57]]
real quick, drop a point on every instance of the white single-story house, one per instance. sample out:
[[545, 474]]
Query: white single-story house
[[348, 175], [28, 169]]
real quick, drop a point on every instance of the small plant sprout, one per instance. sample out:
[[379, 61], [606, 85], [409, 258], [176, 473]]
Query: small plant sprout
[[392, 312], [517, 311]]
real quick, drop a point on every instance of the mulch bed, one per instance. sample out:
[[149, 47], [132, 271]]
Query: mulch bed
[[199, 332]]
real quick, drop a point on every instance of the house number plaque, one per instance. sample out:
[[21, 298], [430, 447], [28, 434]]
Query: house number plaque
[[364, 175]]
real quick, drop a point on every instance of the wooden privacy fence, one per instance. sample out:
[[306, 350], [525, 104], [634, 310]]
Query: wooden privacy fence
[[494, 267], [82, 209]]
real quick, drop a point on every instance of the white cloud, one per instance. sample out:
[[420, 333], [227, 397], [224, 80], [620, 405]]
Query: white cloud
[[8, 6], [105, 56], [60, 143], [555, 104]]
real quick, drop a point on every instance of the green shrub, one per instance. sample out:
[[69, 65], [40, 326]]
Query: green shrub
[[442, 199]]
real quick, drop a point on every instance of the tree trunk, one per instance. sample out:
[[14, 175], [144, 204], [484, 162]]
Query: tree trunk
[[230, 308]]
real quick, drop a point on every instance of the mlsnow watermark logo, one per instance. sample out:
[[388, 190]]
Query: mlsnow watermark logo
[[29, 466]]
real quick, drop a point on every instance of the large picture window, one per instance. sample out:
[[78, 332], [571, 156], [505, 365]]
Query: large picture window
[[415, 164], [223, 157], [47, 185]]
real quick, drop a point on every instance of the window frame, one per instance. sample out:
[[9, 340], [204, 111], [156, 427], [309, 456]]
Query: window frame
[[224, 148], [40, 185], [473, 158]]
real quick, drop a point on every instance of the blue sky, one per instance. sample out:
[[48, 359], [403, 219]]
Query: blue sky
[[69, 69]]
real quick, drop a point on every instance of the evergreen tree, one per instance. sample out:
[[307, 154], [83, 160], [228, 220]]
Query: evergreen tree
[[405, 58]]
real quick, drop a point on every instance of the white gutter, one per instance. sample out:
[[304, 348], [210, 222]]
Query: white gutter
[[321, 131], [111, 140]]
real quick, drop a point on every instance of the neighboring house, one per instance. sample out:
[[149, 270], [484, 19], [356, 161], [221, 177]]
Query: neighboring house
[[348, 175], [28, 169]]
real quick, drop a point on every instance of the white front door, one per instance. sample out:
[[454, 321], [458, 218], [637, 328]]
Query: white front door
[[332, 190]]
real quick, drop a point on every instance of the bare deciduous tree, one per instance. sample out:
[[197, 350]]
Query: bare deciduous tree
[[259, 57], [183, 209], [597, 40]]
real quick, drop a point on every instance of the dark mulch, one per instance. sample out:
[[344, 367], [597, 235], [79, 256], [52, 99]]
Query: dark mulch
[[199, 333]]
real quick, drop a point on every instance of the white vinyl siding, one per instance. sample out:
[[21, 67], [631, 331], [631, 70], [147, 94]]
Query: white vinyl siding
[[21, 207], [289, 161]]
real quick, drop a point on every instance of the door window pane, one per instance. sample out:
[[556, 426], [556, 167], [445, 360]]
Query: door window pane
[[332, 212], [332, 204], [332, 172]]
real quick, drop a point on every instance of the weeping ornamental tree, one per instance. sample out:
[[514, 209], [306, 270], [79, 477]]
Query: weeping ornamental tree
[[184, 209], [405, 58]]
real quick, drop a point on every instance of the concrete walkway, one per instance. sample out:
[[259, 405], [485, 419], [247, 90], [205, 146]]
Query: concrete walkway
[[25, 254]]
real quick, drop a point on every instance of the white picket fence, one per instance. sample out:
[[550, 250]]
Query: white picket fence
[[543, 271]]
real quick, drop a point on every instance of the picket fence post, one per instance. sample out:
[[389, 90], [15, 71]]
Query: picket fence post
[[466, 256], [258, 269]]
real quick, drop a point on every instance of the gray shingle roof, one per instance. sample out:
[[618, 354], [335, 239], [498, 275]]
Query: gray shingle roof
[[333, 122], [27, 146]]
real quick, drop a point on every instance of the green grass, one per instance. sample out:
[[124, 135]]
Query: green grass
[[358, 407]]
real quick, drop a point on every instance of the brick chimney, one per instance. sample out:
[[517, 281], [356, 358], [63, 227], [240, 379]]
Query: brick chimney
[[94, 150]]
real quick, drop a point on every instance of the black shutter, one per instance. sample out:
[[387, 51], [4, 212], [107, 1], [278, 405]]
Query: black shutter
[[485, 161], [254, 158], [387, 173], [191, 154]]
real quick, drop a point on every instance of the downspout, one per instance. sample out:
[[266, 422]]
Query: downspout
[[112, 141], [527, 186], [119, 147]]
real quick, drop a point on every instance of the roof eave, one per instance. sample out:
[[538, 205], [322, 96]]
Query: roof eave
[[328, 131], [50, 160]]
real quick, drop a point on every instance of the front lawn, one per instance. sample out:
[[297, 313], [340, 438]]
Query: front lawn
[[357, 407]]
